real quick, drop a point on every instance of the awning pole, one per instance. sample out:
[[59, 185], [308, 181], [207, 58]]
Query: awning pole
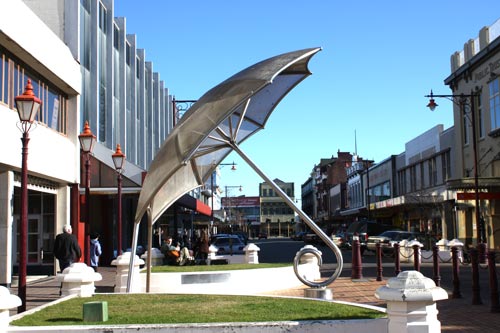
[[132, 255], [150, 245], [291, 204]]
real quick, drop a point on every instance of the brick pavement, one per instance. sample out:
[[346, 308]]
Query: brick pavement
[[456, 315]]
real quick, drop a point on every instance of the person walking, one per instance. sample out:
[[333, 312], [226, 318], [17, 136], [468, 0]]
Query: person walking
[[203, 247], [66, 248], [95, 250]]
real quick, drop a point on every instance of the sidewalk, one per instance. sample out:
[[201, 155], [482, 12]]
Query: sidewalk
[[456, 315]]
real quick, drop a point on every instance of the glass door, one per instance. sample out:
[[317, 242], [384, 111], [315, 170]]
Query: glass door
[[34, 239]]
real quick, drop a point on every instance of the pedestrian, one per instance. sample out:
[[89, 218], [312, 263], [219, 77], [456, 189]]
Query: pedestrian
[[95, 250], [66, 248], [203, 247]]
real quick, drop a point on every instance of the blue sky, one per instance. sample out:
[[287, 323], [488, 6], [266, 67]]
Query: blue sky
[[378, 60]]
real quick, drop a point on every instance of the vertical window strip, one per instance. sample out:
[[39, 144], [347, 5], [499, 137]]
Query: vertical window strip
[[495, 104]]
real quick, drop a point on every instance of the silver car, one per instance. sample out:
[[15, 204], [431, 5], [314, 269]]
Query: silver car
[[387, 239], [231, 244]]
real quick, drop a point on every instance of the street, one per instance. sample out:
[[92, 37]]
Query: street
[[283, 250]]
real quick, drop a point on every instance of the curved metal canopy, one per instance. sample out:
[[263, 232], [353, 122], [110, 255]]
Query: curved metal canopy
[[230, 112], [214, 127]]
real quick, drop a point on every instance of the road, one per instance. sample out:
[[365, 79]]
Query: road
[[277, 250]]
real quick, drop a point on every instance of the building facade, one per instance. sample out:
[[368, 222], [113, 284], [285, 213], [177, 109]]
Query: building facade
[[85, 66], [277, 218], [29, 50], [475, 71]]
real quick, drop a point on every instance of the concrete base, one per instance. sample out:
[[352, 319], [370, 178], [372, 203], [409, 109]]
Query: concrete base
[[319, 293]]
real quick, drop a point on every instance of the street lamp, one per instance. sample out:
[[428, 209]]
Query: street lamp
[[87, 142], [233, 168], [225, 193], [118, 160], [469, 100], [27, 106]]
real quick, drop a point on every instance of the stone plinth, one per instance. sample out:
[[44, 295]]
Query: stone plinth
[[309, 264], [7, 302], [78, 279], [251, 254], [411, 303], [122, 264], [156, 257], [406, 253]]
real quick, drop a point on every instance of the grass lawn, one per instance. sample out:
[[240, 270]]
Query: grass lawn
[[170, 309]]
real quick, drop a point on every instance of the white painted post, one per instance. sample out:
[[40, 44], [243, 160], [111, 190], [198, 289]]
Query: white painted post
[[122, 268], [156, 257], [251, 254], [309, 266], [411, 303], [409, 250], [212, 253], [457, 243], [7, 302], [78, 279]]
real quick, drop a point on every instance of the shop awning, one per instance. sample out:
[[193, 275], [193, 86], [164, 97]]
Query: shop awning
[[194, 204]]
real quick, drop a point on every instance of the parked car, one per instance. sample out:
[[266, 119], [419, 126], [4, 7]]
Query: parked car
[[313, 239], [242, 235], [262, 235], [388, 238], [214, 237], [231, 244], [364, 229]]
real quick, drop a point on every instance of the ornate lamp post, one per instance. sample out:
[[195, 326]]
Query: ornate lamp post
[[27, 106], [470, 100], [233, 168], [87, 142], [118, 160], [225, 193]]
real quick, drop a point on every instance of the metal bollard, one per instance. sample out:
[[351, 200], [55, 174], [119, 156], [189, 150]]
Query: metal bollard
[[416, 257], [435, 260], [494, 307], [397, 262], [356, 259], [379, 262], [456, 280], [476, 294], [482, 253]]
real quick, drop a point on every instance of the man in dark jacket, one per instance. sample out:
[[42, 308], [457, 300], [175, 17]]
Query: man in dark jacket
[[66, 248]]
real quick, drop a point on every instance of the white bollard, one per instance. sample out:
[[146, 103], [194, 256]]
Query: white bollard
[[251, 254], [7, 302], [212, 252], [78, 279], [122, 267], [443, 245], [458, 244], [411, 303], [409, 255], [309, 265], [156, 257]]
